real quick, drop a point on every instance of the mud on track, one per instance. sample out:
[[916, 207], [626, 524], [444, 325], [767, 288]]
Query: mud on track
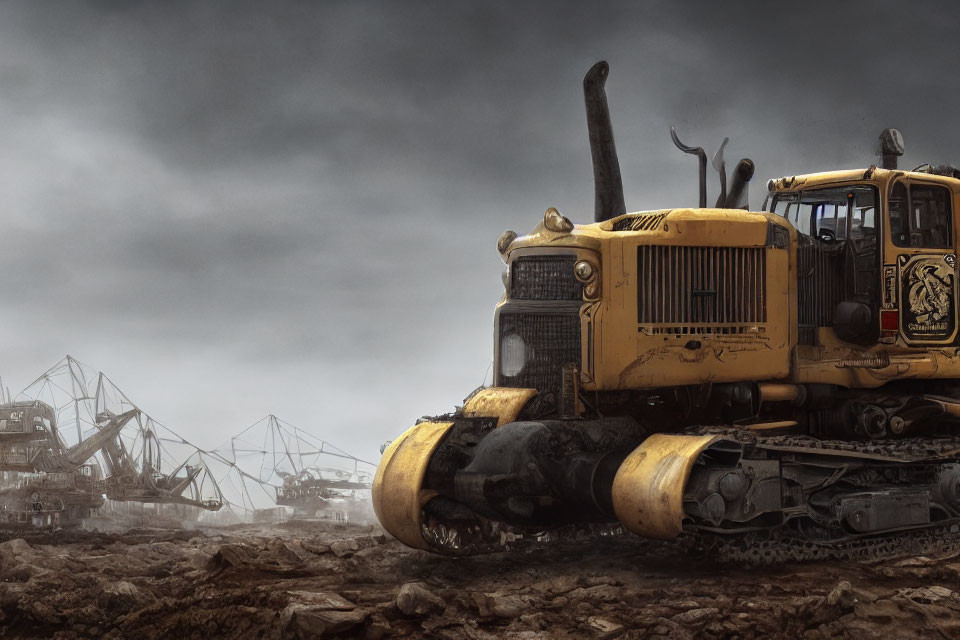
[[322, 580]]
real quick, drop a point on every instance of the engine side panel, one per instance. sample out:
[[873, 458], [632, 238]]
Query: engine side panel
[[704, 300]]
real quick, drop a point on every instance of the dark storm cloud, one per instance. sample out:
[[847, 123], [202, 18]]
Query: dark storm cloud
[[240, 207]]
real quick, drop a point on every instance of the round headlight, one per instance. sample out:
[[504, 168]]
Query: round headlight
[[513, 355], [584, 271]]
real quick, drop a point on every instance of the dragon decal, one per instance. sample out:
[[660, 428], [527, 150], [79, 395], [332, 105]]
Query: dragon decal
[[929, 289]]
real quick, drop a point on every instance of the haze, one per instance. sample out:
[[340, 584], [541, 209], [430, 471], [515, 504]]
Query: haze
[[238, 208]]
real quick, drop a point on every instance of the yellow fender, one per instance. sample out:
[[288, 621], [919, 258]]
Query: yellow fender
[[503, 403], [648, 487], [397, 493]]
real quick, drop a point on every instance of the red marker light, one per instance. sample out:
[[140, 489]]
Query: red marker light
[[890, 320]]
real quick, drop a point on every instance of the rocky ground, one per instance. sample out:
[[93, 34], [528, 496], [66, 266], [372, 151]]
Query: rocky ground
[[318, 580]]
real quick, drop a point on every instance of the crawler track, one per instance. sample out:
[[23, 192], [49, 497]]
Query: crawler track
[[755, 549], [774, 546], [904, 450]]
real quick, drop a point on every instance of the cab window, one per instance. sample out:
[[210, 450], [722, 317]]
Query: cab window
[[785, 205], [863, 215], [831, 214], [920, 216], [829, 219], [789, 207]]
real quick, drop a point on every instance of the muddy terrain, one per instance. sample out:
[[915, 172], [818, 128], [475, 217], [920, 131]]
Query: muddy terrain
[[319, 580]]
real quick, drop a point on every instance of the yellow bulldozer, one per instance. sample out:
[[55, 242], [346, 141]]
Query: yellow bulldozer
[[788, 376]]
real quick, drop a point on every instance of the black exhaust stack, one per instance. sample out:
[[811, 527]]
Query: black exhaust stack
[[738, 198], [891, 147], [701, 156], [606, 167], [721, 166]]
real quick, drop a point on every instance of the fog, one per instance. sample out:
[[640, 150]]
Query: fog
[[243, 208]]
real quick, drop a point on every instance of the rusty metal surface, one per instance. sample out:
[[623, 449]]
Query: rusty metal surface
[[502, 403], [397, 495], [648, 488]]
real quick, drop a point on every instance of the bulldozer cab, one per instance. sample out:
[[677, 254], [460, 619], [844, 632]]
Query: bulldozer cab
[[876, 255], [921, 252]]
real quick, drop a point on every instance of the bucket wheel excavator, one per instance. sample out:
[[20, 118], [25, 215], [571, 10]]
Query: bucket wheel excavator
[[45, 483]]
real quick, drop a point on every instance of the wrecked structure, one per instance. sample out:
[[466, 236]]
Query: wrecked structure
[[44, 482], [73, 445], [72, 440], [322, 492], [273, 471]]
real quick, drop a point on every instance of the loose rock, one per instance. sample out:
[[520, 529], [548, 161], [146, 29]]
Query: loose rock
[[414, 599], [606, 629], [696, 617]]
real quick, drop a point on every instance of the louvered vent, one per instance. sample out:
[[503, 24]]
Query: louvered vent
[[699, 290], [639, 222]]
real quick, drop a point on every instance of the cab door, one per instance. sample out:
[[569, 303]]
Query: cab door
[[919, 272]]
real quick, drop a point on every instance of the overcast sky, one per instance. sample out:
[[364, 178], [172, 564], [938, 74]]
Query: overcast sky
[[238, 208]]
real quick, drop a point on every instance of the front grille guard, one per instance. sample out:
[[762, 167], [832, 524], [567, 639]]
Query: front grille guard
[[551, 339]]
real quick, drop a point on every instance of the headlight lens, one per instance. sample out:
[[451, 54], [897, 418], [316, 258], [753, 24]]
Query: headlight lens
[[513, 355]]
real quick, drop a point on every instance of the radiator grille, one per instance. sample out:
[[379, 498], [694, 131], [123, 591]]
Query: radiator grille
[[544, 278], [551, 341], [701, 289], [639, 222], [820, 285]]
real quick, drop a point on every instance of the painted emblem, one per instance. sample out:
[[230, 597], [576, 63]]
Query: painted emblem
[[928, 290]]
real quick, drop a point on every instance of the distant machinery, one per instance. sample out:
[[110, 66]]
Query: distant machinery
[[314, 491], [42, 481], [54, 475], [275, 464], [73, 443]]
